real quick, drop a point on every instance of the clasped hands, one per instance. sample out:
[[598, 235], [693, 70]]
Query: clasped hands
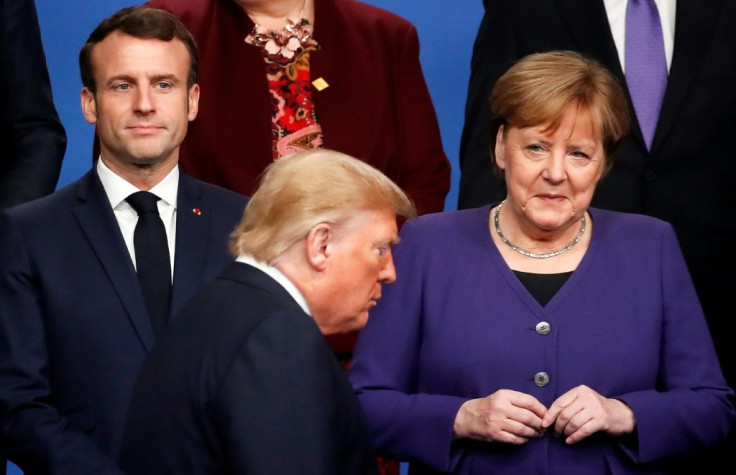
[[513, 417]]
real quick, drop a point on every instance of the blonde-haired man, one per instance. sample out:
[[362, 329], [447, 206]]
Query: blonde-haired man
[[244, 381]]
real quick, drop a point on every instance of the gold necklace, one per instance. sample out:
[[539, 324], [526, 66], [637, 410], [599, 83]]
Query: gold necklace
[[534, 254]]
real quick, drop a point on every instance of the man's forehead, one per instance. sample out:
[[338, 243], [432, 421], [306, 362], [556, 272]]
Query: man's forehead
[[129, 55], [374, 220], [119, 40]]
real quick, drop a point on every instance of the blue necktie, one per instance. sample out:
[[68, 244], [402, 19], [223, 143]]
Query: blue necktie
[[153, 263], [646, 66]]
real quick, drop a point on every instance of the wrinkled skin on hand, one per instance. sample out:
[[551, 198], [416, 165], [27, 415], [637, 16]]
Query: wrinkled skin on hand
[[505, 416], [581, 412], [513, 417]]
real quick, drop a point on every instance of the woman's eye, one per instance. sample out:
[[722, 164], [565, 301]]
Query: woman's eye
[[579, 155]]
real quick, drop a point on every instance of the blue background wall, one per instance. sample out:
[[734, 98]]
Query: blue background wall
[[446, 31]]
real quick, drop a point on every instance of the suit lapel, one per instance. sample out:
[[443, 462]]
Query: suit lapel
[[97, 220], [694, 24], [693, 30], [193, 224], [587, 22]]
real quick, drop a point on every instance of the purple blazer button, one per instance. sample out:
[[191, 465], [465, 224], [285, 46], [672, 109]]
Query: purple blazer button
[[541, 379]]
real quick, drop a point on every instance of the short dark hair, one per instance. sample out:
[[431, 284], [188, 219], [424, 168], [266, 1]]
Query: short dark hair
[[139, 22]]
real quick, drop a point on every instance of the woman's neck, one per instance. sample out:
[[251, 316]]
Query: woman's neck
[[539, 243], [275, 14]]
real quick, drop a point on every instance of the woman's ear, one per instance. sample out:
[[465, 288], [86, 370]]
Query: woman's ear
[[500, 149]]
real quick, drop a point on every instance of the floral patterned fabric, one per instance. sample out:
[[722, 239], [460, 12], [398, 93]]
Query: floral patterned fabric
[[294, 120]]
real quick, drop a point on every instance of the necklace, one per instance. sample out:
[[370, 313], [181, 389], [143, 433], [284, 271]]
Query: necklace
[[283, 46], [534, 254]]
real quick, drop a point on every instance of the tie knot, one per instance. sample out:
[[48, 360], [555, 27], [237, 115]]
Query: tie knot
[[143, 202]]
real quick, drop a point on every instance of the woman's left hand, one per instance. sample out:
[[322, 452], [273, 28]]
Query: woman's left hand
[[581, 412]]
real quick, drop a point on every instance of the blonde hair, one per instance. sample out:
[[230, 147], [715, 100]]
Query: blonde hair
[[542, 87], [301, 190]]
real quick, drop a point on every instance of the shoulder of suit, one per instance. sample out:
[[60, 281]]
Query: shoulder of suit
[[627, 224], [50, 206], [186, 8], [213, 191], [363, 13]]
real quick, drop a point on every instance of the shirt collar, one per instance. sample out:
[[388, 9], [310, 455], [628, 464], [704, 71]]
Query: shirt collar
[[279, 277], [117, 188]]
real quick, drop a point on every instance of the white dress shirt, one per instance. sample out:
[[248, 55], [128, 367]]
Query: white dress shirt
[[117, 189]]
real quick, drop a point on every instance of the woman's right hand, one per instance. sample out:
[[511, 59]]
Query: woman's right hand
[[505, 416]]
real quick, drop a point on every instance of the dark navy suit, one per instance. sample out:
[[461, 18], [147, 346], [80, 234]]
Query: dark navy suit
[[74, 329], [243, 382]]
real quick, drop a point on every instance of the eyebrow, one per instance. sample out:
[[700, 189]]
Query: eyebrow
[[386, 242], [160, 77], [154, 78]]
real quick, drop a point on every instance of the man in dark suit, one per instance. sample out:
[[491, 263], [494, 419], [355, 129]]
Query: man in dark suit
[[74, 319], [686, 176], [244, 381], [32, 140]]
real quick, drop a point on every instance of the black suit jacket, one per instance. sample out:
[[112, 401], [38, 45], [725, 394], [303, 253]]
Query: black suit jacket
[[32, 140], [688, 178], [74, 328], [243, 382]]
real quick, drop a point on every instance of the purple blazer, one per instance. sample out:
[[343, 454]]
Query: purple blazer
[[458, 325]]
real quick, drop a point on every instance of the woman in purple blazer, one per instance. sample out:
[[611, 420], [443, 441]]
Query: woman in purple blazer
[[539, 335]]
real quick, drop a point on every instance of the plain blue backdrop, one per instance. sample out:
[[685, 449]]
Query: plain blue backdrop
[[446, 28]]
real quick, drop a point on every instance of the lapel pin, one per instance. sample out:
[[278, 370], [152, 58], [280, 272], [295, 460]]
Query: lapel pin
[[320, 84], [197, 211]]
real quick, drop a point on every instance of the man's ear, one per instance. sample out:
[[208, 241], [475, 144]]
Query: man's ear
[[89, 106], [319, 239], [193, 102]]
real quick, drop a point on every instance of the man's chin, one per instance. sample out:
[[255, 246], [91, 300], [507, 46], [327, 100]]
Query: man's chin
[[346, 325], [360, 322], [148, 160]]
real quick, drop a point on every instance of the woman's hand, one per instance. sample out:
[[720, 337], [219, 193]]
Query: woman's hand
[[504, 416], [581, 412]]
